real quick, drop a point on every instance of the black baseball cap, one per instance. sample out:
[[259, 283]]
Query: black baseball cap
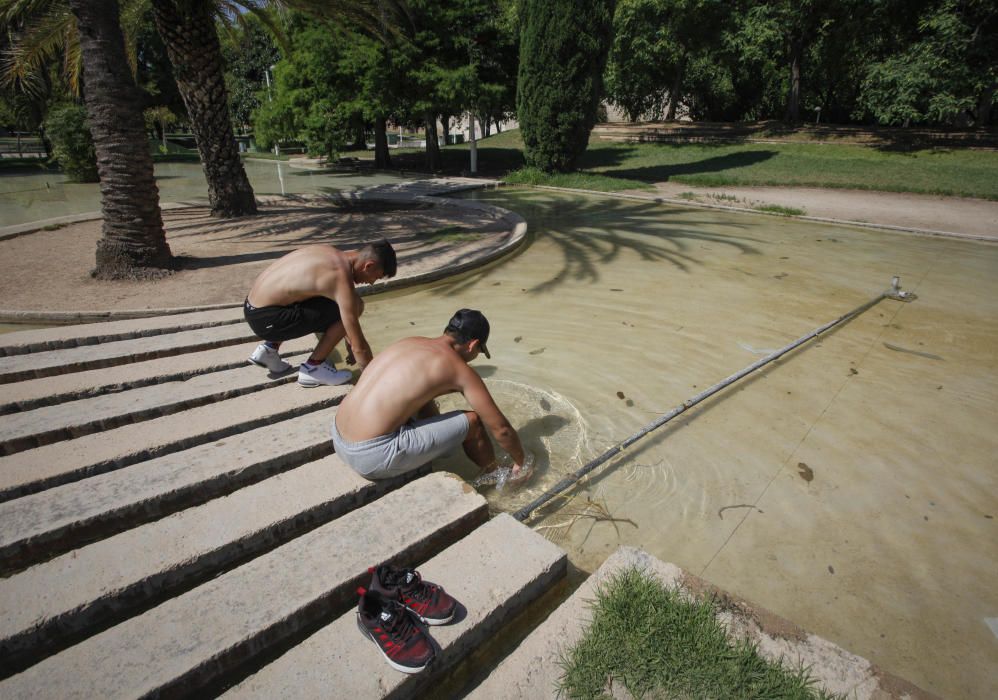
[[469, 324]]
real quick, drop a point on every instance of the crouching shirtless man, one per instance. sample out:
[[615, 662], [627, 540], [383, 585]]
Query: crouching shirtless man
[[389, 424], [313, 290]]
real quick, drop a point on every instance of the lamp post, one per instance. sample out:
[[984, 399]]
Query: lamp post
[[270, 98], [817, 115]]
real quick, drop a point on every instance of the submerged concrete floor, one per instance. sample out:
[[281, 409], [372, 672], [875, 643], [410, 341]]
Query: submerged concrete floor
[[850, 487]]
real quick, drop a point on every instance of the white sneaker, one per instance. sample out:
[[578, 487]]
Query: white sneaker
[[323, 374], [268, 357]]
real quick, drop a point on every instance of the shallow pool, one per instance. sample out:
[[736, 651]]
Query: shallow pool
[[30, 196], [850, 487]]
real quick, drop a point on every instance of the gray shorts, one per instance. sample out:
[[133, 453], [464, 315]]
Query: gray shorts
[[411, 446]]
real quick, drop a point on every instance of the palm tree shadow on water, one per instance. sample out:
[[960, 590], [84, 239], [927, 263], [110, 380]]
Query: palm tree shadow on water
[[591, 232]]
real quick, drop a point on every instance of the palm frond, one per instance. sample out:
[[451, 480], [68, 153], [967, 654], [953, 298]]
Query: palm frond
[[41, 38]]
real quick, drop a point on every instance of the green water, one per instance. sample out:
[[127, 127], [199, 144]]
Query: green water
[[834, 487], [26, 197]]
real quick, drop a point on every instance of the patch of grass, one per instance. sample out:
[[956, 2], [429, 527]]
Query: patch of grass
[[176, 158], [52, 227], [692, 196], [779, 209], [609, 166], [577, 180], [657, 643], [263, 155], [722, 197], [451, 234]]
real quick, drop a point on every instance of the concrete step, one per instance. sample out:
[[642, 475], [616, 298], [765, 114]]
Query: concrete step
[[31, 471], [493, 573], [51, 362], [28, 395], [72, 419], [48, 523], [191, 641], [59, 337], [72, 596], [533, 669]]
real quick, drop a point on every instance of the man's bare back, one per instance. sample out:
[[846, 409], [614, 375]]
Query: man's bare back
[[399, 386], [304, 273], [396, 385]]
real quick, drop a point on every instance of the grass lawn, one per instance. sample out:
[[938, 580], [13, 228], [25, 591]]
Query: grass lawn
[[610, 166], [656, 643]]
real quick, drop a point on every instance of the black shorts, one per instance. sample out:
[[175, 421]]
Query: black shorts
[[279, 323]]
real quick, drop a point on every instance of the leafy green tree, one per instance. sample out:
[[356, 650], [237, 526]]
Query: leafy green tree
[[563, 52], [660, 48], [72, 147], [311, 96], [946, 74], [248, 50]]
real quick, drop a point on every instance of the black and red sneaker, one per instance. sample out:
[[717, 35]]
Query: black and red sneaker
[[426, 600], [390, 626]]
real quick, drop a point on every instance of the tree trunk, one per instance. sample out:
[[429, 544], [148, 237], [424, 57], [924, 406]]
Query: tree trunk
[[793, 98], [445, 122], [432, 144], [486, 126], [677, 84], [983, 113], [133, 239], [187, 28], [359, 134], [381, 157]]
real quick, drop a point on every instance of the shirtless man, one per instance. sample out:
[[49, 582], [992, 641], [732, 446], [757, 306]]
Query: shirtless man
[[313, 290], [389, 424]]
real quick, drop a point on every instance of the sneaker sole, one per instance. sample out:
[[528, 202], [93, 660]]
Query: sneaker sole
[[311, 384], [404, 669], [260, 364], [432, 620]]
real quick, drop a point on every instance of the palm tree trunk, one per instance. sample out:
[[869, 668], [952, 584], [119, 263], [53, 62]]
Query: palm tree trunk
[[133, 239], [188, 31]]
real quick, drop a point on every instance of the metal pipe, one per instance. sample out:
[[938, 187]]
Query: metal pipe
[[893, 293]]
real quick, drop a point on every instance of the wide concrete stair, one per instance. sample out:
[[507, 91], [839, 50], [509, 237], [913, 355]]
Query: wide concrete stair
[[173, 522]]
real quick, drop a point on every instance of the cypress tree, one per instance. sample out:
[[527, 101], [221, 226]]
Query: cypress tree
[[563, 51]]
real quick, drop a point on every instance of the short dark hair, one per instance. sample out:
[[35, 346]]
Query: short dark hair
[[383, 254]]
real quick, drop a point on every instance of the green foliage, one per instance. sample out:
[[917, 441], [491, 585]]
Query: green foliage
[[249, 50], [663, 47], [563, 51], [943, 75], [72, 146], [657, 641], [310, 101]]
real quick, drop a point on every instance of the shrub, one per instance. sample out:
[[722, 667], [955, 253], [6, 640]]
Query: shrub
[[72, 146], [563, 50]]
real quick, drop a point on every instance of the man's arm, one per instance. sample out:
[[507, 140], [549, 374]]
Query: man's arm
[[475, 391], [349, 301]]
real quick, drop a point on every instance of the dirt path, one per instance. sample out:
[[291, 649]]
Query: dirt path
[[955, 215]]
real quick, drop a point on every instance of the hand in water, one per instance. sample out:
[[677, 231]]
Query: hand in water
[[507, 473]]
